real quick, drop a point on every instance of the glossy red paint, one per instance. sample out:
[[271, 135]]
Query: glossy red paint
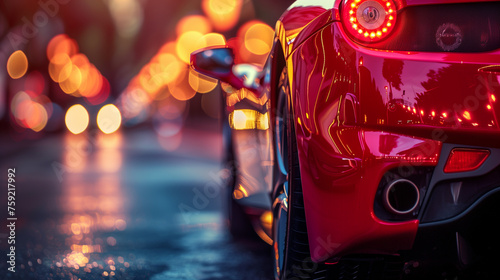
[[340, 178], [298, 17], [417, 100], [321, 20]]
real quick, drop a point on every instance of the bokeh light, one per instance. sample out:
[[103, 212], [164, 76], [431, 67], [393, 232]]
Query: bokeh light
[[212, 39], [188, 43], [201, 83], [71, 84], [196, 23], [38, 117], [255, 41], [17, 64], [182, 91], [259, 38], [92, 82], [31, 111], [61, 44], [103, 89], [74, 72], [77, 119], [60, 67], [109, 119], [167, 76], [224, 14], [168, 68]]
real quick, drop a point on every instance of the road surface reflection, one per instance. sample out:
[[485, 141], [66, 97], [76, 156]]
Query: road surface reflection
[[121, 206]]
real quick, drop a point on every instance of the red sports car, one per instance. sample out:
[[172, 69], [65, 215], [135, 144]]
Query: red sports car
[[370, 139]]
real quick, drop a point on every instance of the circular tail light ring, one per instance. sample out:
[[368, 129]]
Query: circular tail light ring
[[369, 20]]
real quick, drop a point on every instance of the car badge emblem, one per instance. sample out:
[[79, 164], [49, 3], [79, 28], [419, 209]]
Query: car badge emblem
[[449, 37]]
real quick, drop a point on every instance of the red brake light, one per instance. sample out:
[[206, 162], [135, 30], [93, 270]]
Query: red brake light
[[461, 160], [369, 20]]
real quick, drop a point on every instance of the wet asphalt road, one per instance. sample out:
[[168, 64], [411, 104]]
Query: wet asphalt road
[[125, 206]]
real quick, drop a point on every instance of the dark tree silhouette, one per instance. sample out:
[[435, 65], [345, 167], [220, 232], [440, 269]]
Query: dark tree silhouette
[[455, 89], [392, 70]]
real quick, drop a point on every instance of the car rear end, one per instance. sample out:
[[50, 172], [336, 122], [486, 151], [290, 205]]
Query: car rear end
[[423, 107]]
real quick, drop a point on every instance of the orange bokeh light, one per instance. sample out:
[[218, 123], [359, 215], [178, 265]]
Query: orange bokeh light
[[150, 83], [259, 38], [255, 41], [38, 117], [92, 82], [196, 23], [201, 83], [61, 44], [224, 14], [186, 44], [163, 70], [212, 39], [73, 71], [182, 91], [73, 82], [60, 67], [169, 47], [17, 65]]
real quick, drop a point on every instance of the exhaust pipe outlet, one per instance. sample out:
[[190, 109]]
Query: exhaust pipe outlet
[[401, 197]]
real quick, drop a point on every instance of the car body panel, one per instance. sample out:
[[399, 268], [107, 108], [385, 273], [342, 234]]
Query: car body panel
[[340, 168]]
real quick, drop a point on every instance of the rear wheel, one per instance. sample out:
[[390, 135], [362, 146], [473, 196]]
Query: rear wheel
[[291, 245]]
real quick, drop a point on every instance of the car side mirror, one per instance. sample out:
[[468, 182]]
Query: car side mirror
[[213, 62], [218, 63]]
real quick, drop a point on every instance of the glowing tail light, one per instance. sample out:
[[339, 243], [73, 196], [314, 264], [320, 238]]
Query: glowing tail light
[[369, 20], [462, 160]]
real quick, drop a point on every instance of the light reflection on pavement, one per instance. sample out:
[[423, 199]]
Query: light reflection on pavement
[[120, 207]]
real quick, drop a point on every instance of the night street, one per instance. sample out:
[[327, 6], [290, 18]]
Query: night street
[[122, 206], [249, 139]]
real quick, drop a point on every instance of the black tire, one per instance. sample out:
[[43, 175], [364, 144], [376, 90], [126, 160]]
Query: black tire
[[296, 261]]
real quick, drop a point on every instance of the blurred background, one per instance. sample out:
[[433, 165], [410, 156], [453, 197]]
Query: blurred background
[[133, 54], [116, 143]]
